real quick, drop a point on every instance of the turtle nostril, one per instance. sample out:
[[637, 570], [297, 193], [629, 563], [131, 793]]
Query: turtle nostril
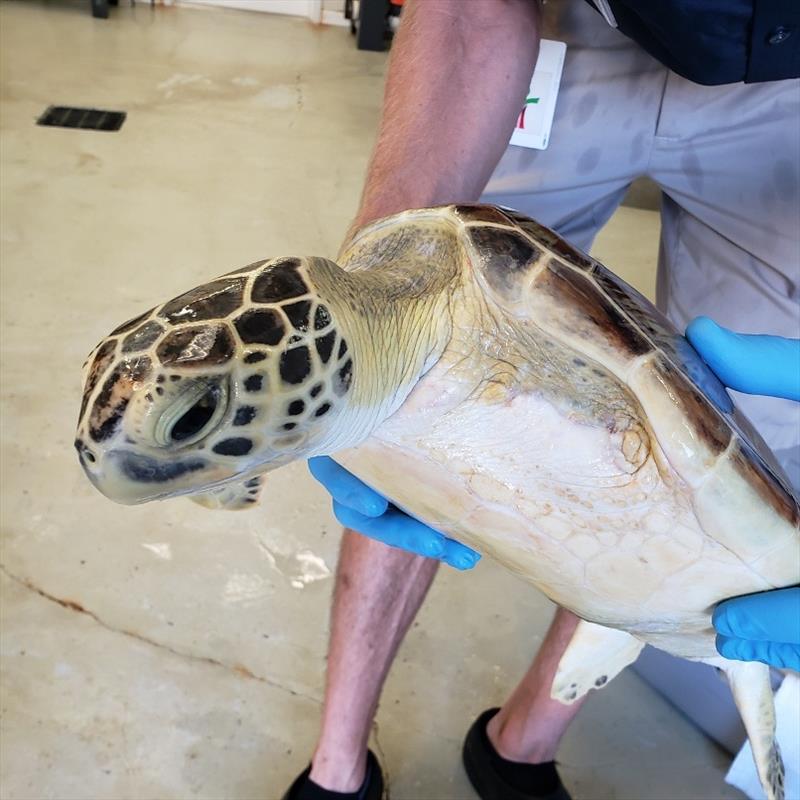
[[84, 452]]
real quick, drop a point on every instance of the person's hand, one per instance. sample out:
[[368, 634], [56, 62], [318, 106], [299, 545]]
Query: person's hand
[[760, 627], [755, 364], [357, 506]]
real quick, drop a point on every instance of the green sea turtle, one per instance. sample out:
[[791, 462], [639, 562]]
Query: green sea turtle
[[496, 383]]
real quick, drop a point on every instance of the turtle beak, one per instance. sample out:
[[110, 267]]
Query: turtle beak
[[131, 478]]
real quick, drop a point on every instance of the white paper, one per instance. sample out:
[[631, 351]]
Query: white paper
[[536, 118]]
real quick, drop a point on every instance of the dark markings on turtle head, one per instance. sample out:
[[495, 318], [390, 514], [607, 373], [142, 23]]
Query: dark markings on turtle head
[[295, 365], [601, 681], [115, 395], [279, 281], [298, 314], [572, 695], [235, 446], [505, 255], [254, 383], [135, 369], [210, 301], [142, 337], [316, 389], [342, 349], [198, 346], [578, 362], [254, 358], [288, 441], [102, 361], [322, 318], [160, 379], [144, 469], [322, 410], [289, 426], [253, 483], [551, 240], [324, 346], [131, 323], [244, 415], [344, 377], [175, 378], [248, 268], [295, 408], [260, 326], [480, 213]]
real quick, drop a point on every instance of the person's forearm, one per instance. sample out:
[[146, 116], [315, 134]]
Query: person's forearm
[[457, 79]]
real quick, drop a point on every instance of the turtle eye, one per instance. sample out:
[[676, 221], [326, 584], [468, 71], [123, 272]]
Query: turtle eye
[[193, 415], [194, 422]]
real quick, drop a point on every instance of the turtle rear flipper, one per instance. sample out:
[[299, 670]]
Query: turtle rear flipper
[[594, 656], [752, 692], [232, 496]]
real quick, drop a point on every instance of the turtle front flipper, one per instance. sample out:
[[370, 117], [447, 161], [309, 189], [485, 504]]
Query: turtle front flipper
[[594, 656], [232, 496]]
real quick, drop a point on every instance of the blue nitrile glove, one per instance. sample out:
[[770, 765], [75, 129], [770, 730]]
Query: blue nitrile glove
[[760, 627], [768, 365], [358, 507]]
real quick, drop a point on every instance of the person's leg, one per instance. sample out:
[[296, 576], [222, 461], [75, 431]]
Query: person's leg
[[606, 117], [574, 186], [377, 594], [529, 726], [730, 242]]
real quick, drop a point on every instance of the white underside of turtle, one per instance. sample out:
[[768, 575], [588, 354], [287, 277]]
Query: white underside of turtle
[[500, 386]]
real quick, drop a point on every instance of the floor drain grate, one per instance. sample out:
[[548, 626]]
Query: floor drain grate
[[87, 118]]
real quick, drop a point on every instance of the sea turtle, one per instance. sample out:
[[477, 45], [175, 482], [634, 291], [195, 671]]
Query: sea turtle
[[493, 381]]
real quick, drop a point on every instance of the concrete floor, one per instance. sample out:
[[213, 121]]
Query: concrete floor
[[170, 652]]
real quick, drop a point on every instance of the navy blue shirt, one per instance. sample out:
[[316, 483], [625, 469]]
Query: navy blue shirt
[[716, 41]]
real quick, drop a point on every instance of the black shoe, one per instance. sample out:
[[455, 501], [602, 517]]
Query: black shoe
[[371, 789], [495, 778]]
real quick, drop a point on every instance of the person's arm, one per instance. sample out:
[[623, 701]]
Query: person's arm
[[457, 79], [458, 76]]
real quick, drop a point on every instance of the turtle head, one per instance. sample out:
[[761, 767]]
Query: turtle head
[[231, 379]]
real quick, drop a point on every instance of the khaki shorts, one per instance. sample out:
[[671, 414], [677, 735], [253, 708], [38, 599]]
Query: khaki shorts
[[728, 161]]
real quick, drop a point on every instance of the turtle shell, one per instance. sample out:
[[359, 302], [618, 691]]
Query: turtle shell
[[538, 275]]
